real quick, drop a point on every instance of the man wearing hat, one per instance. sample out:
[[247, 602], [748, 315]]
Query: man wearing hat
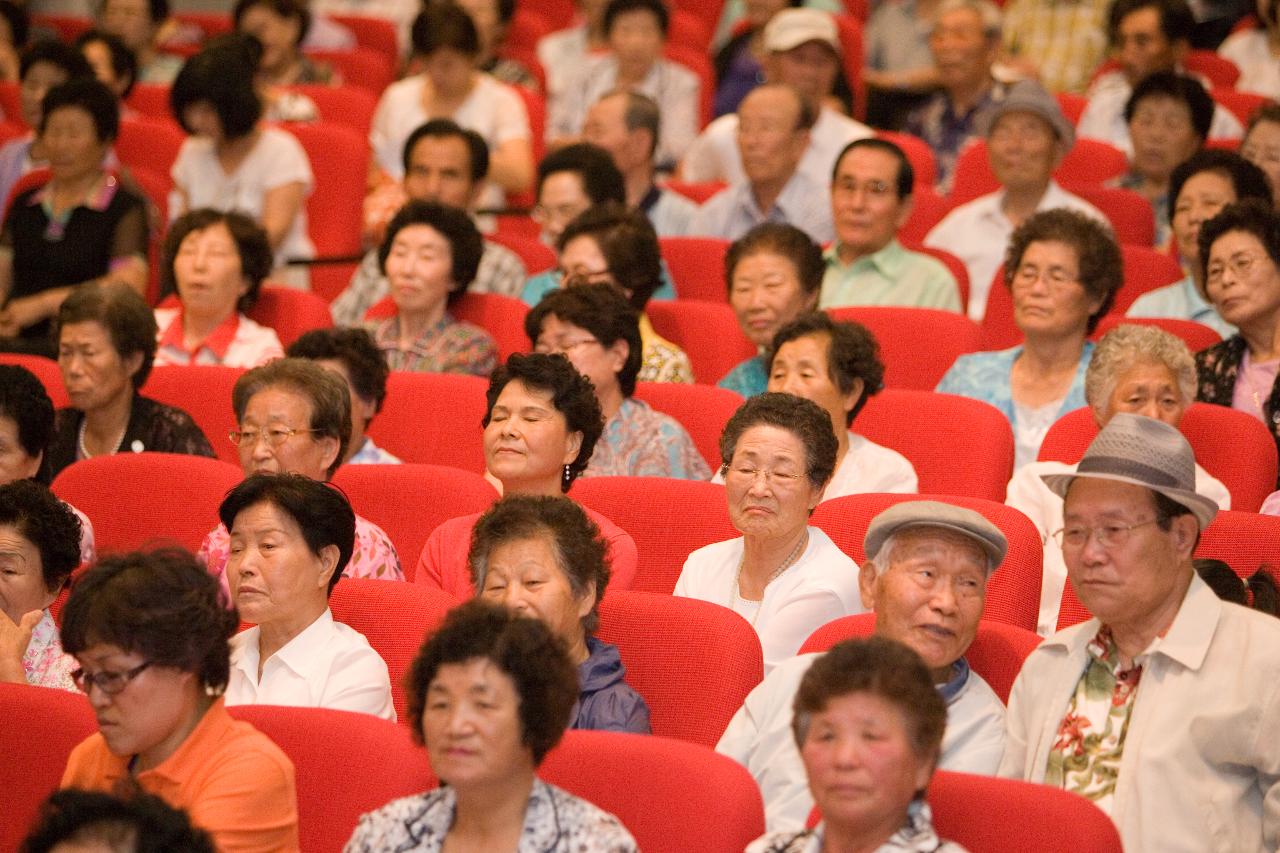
[[1027, 137], [925, 577], [1164, 709], [802, 50]]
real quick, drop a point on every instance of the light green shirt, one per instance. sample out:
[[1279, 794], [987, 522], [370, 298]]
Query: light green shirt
[[891, 276]]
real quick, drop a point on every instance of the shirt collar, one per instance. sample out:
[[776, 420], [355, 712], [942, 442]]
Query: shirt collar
[[99, 201], [959, 678], [650, 199], [217, 342], [299, 654], [888, 260], [201, 743]]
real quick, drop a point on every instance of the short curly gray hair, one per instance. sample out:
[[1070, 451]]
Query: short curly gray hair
[[1130, 344]]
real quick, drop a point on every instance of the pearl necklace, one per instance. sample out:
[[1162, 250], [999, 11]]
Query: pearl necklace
[[736, 591], [84, 452]]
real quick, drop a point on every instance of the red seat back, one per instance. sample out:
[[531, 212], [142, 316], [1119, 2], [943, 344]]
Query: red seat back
[[537, 256], [697, 266], [340, 162], [699, 63], [1221, 72], [1090, 161], [204, 392], [927, 210], [151, 100], [1129, 213], [918, 154], [500, 316], [702, 410], [46, 370], [67, 27], [149, 143], [348, 106], [374, 33], [364, 67], [1241, 104], [292, 313], [526, 28], [433, 418], [954, 265], [328, 280], [1072, 105], [695, 191], [917, 345], [1196, 336], [708, 332]]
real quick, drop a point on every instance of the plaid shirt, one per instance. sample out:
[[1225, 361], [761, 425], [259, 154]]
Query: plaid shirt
[[447, 347], [936, 122], [1066, 39]]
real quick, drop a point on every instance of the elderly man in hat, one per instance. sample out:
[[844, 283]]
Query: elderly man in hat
[[1164, 709], [925, 577]]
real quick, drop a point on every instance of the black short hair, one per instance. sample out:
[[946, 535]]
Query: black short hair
[[24, 400], [581, 552], [522, 648], [1257, 591], [321, 511], [779, 238], [366, 365], [290, 9], [64, 56], [49, 524], [148, 824], [1176, 19], [466, 246], [852, 353], [221, 75], [571, 393], [444, 26], [1101, 266], [1247, 180], [905, 179], [1253, 216], [1181, 88], [601, 180], [328, 395], [128, 320], [250, 239], [628, 243], [447, 128], [620, 7], [123, 61], [18, 20], [805, 419], [600, 309], [163, 605], [90, 96]]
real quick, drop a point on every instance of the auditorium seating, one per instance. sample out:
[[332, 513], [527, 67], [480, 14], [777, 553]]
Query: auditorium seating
[[702, 410], [697, 266], [433, 418], [501, 316], [918, 154], [348, 106], [1130, 214], [204, 392], [536, 255], [917, 345], [708, 332], [46, 370], [374, 33], [1090, 161], [340, 162], [1196, 336]]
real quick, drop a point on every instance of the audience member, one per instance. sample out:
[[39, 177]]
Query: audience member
[[291, 538], [150, 633], [1063, 270], [138, 23], [564, 51], [1250, 49], [866, 711], [1261, 145], [636, 32], [399, 13], [782, 575], [1258, 591], [1142, 370], [898, 66], [928, 565], [490, 693], [1160, 642], [281, 25], [294, 417], [1060, 44], [112, 62], [215, 263], [870, 202], [353, 356], [570, 180], [106, 347], [90, 820], [492, 17], [15, 29], [1026, 140], [739, 64], [542, 556], [595, 327], [429, 257], [541, 426]]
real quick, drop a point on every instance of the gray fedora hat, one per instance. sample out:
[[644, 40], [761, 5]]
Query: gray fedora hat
[[1145, 452], [936, 514]]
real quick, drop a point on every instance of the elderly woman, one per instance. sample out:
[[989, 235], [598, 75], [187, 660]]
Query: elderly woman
[[774, 274], [430, 255], [294, 417], [1261, 145], [39, 548], [215, 262], [782, 575], [280, 26], [1240, 252], [1142, 370], [291, 537], [150, 633], [490, 694], [837, 366], [593, 326], [541, 426], [1199, 188], [869, 725], [81, 226], [1063, 270], [543, 557], [106, 345]]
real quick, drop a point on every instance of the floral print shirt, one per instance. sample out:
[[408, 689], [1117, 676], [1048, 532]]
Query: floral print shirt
[[1085, 758], [44, 662], [639, 442], [449, 346], [373, 557], [916, 836]]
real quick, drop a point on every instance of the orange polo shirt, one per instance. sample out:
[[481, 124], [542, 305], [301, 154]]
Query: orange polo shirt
[[230, 778]]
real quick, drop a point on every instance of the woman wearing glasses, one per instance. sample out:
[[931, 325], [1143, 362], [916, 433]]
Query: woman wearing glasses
[[1240, 251], [150, 634], [782, 575]]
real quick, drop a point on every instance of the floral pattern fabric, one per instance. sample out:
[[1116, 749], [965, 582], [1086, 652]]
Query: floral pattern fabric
[[44, 662], [639, 442], [373, 556], [1217, 368], [449, 346]]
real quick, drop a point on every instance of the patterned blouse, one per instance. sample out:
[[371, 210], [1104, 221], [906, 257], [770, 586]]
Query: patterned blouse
[[373, 557], [916, 836], [639, 442], [1217, 368], [661, 360], [1085, 758], [554, 822], [44, 662], [447, 347]]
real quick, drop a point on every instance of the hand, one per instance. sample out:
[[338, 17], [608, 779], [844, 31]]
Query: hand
[[14, 638], [22, 312], [8, 328]]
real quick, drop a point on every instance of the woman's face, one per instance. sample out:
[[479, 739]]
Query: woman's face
[[863, 770], [15, 462], [202, 120], [275, 578], [583, 261], [766, 294], [471, 725], [1162, 136], [71, 143], [22, 586], [800, 367], [1242, 281], [1202, 196], [131, 21], [419, 269], [1262, 148], [39, 79], [449, 71], [1147, 388], [207, 269], [1048, 298], [636, 39], [523, 575], [93, 372], [770, 495], [528, 442], [286, 413], [593, 359], [278, 34]]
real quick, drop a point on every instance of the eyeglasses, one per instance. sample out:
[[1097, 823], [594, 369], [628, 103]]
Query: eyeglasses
[[1055, 277], [561, 347], [555, 213], [275, 436], [1108, 535], [872, 189], [1240, 266], [107, 681], [778, 479]]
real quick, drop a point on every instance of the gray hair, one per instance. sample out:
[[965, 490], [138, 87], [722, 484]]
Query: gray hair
[[640, 113], [1130, 344], [987, 12], [883, 557]]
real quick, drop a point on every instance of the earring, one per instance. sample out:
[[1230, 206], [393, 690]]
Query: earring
[[567, 478]]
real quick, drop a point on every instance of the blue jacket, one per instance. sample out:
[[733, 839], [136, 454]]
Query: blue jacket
[[606, 702]]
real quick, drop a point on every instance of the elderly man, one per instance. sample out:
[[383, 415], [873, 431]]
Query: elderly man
[[870, 201], [773, 133], [802, 50], [446, 163], [1163, 708], [1026, 140], [625, 123], [925, 578]]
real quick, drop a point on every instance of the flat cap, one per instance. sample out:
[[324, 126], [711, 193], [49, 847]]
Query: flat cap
[[907, 514]]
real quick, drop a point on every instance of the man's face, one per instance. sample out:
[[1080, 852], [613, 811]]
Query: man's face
[[864, 202], [440, 170], [961, 50], [810, 67], [1141, 46], [769, 136], [561, 198], [1023, 150], [606, 126]]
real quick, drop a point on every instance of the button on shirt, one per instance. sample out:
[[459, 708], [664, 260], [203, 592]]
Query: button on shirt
[[891, 276], [733, 212]]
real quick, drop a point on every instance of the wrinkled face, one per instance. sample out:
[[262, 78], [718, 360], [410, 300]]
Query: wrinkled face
[[39, 79], [1262, 148], [527, 442], [810, 67], [22, 586], [208, 272], [1048, 298], [801, 367], [961, 51], [865, 203], [471, 726], [98, 55], [636, 39], [766, 294], [274, 576], [278, 34], [523, 575], [362, 410], [599, 363], [1147, 388], [1141, 46], [1242, 281], [280, 408], [1162, 136], [93, 372], [1023, 150], [419, 270], [449, 70], [440, 170], [606, 126], [769, 493], [1202, 196], [561, 198], [15, 462], [769, 135], [131, 21], [930, 596]]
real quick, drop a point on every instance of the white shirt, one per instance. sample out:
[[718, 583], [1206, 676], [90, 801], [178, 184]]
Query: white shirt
[[1259, 70], [1103, 116], [714, 155], [978, 233], [399, 12], [328, 665], [251, 345], [821, 586], [759, 738], [560, 53], [870, 467], [1028, 494]]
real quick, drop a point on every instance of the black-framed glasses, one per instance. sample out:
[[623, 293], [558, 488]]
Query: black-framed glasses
[[107, 681]]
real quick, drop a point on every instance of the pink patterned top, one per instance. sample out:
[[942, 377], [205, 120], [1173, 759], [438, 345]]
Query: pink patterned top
[[373, 557], [44, 662]]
